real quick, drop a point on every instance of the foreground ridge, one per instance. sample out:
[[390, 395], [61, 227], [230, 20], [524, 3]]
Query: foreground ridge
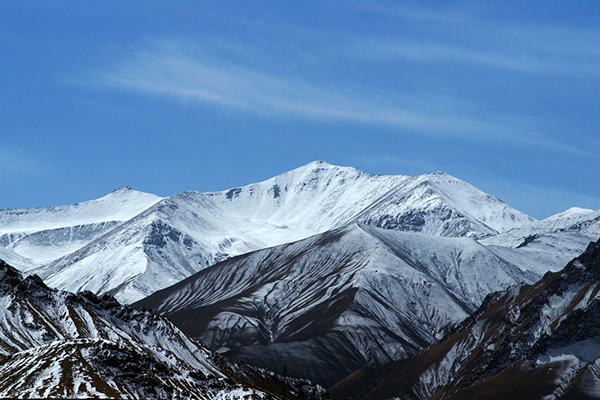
[[59, 345]]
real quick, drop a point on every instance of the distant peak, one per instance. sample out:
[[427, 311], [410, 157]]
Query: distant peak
[[314, 165], [437, 176], [575, 211]]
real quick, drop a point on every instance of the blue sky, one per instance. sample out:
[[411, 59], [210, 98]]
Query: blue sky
[[171, 96]]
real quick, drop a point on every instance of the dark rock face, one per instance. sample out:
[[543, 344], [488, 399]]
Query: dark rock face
[[161, 232], [527, 240], [449, 222], [276, 191], [233, 193], [411, 221]]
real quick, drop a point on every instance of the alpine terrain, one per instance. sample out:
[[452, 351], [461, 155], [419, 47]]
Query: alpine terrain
[[325, 268]]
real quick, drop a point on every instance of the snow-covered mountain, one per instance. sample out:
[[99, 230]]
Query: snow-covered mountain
[[318, 197], [539, 341], [187, 232], [40, 235], [353, 297], [551, 243], [60, 345], [380, 266]]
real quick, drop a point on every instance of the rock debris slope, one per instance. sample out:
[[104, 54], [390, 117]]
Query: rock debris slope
[[60, 345], [353, 297], [539, 341]]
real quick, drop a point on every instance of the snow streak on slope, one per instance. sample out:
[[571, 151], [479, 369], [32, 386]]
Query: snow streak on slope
[[538, 341], [60, 345], [356, 296], [45, 234], [187, 232], [13, 258]]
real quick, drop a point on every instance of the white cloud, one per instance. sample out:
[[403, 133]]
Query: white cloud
[[178, 70], [475, 37], [16, 161], [171, 70], [540, 60]]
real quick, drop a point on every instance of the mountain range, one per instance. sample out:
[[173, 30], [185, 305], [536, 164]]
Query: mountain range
[[130, 244], [325, 268], [352, 297]]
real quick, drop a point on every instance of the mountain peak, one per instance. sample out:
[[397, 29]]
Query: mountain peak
[[319, 162], [438, 172], [575, 211], [317, 166], [122, 189]]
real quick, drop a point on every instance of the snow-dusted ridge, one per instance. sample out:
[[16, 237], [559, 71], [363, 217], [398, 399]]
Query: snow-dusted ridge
[[549, 244], [121, 204], [44, 234]]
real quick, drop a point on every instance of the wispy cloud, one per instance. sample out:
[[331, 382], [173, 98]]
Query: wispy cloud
[[523, 58], [175, 70], [178, 70], [474, 37], [15, 161]]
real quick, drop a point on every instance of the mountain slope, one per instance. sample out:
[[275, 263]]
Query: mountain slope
[[168, 242], [351, 297], [534, 341], [187, 232], [45, 234], [55, 344]]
